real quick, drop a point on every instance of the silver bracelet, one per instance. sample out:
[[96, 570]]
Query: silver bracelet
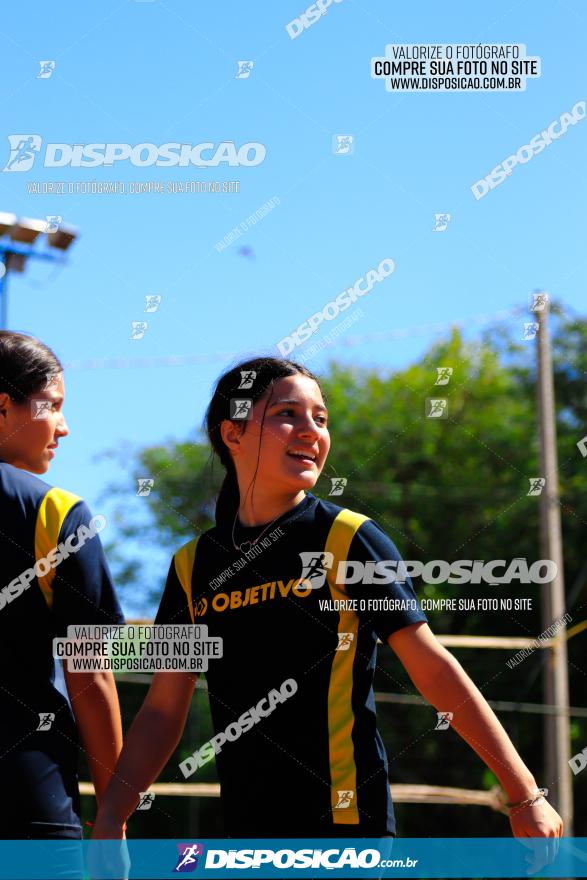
[[540, 793]]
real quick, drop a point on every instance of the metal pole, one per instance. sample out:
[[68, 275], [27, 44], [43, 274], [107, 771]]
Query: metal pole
[[557, 739]]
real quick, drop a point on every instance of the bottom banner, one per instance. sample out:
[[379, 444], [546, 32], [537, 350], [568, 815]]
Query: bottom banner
[[293, 857]]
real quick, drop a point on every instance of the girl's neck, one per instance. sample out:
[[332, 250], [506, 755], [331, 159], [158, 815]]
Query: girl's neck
[[263, 508]]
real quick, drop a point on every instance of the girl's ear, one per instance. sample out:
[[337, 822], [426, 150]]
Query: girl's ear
[[231, 432], [4, 404]]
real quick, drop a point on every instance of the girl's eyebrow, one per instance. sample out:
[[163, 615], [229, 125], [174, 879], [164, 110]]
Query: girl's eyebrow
[[293, 400]]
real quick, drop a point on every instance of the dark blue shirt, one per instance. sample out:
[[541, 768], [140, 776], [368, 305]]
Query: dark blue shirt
[[38, 760], [315, 761]]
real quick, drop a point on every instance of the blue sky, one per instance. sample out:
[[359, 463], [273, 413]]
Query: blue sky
[[159, 72]]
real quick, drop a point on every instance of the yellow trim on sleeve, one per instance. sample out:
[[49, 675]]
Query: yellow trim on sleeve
[[50, 517], [184, 565], [343, 769]]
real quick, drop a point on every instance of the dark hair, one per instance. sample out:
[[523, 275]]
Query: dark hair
[[26, 365], [268, 370]]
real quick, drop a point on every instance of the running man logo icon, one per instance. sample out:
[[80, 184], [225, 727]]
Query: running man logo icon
[[314, 565], [241, 409], [436, 407], [343, 144], [344, 641], [530, 330], [338, 485], [441, 222], [23, 151], [145, 484], [46, 719], [152, 302], [443, 375], [51, 380], [146, 800], [538, 301], [138, 329], [537, 484], [244, 69], [53, 222], [47, 68], [41, 409], [200, 606], [344, 800], [247, 379], [444, 719], [582, 446], [188, 856]]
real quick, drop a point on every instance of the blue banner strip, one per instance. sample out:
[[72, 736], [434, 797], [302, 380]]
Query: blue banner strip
[[293, 857]]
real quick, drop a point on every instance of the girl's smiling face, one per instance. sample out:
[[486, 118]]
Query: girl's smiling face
[[286, 450]]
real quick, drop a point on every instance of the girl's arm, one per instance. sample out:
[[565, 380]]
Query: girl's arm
[[151, 740], [94, 701], [443, 682]]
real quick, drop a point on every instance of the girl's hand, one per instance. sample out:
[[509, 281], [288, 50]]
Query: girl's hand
[[106, 828], [107, 855], [538, 820], [541, 822]]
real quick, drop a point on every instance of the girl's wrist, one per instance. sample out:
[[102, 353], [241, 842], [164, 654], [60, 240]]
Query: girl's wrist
[[520, 789]]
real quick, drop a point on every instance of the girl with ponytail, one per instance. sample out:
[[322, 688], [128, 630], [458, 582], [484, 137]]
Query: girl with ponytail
[[286, 581]]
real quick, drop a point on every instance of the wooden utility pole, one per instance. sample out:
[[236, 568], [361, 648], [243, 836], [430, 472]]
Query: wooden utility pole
[[557, 739]]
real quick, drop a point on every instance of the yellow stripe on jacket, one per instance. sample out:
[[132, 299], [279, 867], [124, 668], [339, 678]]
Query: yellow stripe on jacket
[[50, 518], [343, 769]]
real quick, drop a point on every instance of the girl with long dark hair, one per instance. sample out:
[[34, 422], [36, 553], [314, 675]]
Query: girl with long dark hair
[[54, 575], [295, 737]]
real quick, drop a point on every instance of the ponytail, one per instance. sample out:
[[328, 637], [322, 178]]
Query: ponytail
[[228, 500]]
